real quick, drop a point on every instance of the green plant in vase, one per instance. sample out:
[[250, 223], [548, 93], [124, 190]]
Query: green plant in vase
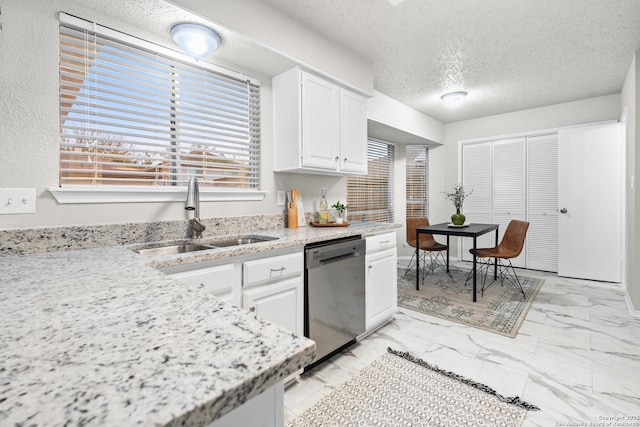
[[341, 209], [457, 196]]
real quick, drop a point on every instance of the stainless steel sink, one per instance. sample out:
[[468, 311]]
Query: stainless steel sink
[[243, 240], [180, 248], [174, 249]]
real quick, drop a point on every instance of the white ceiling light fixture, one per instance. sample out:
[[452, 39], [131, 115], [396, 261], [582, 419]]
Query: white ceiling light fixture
[[453, 97], [196, 40]]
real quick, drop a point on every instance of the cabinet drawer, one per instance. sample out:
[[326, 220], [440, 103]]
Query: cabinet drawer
[[273, 268], [380, 242], [216, 280]]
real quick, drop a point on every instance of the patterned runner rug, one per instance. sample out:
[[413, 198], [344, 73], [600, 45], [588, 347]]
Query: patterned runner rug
[[400, 390], [501, 310]]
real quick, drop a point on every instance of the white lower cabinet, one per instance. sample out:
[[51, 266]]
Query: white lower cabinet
[[281, 303], [219, 280], [381, 287], [381, 281], [265, 410]]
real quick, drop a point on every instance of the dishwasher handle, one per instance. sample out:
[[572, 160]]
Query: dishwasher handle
[[323, 255], [338, 258]]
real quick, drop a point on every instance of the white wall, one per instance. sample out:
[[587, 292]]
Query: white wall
[[386, 110]]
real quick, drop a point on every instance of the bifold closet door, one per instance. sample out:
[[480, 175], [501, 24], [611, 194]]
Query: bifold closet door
[[476, 176], [509, 186], [542, 202]]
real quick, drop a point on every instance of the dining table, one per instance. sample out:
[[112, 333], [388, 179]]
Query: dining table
[[466, 230]]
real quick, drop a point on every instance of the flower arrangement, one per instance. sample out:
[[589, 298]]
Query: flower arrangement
[[457, 196]]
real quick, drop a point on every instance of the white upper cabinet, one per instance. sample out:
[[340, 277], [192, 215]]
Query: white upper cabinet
[[319, 127], [353, 132]]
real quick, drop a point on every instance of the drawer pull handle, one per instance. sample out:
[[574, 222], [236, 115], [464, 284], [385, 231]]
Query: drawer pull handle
[[384, 242], [274, 270]]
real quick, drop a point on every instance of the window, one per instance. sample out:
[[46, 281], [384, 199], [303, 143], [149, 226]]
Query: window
[[417, 158], [370, 197], [134, 114]]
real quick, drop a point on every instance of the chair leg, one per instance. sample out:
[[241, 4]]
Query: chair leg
[[504, 272], [437, 260], [411, 263], [510, 274]]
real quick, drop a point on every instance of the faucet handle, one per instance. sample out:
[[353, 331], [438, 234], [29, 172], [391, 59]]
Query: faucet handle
[[198, 227]]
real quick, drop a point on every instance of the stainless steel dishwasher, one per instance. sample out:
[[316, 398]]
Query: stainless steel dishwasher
[[334, 294]]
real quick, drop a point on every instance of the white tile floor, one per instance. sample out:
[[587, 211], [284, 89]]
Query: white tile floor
[[577, 355]]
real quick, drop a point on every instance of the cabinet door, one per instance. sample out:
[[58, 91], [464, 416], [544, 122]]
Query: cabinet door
[[281, 303], [353, 132], [219, 281], [320, 123], [381, 294]]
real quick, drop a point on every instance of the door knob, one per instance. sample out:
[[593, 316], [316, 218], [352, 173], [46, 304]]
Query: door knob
[[563, 210]]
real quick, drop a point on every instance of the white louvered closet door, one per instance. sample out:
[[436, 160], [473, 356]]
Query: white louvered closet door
[[542, 202], [509, 186], [476, 176]]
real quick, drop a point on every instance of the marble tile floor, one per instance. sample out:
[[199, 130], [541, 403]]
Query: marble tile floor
[[577, 355]]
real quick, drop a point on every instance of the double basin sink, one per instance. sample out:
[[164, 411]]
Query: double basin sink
[[185, 247]]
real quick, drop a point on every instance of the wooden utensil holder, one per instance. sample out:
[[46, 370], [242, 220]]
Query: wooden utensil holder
[[292, 217]]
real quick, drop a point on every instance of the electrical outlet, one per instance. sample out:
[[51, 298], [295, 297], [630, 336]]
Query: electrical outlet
[[281, 198], [17, 201]]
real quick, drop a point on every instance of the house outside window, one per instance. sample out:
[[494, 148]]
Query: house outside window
[[134, 114], [417, 170], [371, 197]]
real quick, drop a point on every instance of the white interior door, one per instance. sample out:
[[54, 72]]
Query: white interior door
[[590, 174]]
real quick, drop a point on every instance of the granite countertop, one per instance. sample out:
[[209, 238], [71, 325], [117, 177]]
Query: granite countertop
[[100, 337], [285, 238]]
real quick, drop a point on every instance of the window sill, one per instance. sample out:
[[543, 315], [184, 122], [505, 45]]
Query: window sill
[[90, 194]]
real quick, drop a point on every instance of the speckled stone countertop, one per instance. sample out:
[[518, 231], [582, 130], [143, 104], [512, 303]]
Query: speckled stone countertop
[[99, 337], [285, 237]]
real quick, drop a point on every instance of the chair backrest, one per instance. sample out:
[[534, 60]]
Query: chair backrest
[[514, 236], [412, 224]]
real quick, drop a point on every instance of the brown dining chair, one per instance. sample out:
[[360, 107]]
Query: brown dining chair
[[510, 247], [428, 245]]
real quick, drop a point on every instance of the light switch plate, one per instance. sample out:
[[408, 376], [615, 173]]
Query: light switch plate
[[17, 201], [281, 198]]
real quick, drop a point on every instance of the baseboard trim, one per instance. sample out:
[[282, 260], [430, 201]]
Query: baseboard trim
[[632, 311]]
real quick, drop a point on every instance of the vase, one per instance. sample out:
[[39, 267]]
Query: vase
[[457, 218]]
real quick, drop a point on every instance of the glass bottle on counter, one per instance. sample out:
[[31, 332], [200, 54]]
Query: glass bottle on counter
[[324, 209]]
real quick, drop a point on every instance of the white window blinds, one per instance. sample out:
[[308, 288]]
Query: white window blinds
[[137, 114], [371, 197], [417, 167]]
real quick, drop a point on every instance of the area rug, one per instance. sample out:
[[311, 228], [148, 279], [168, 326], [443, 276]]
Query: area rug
[[400, 390], [501, 310]]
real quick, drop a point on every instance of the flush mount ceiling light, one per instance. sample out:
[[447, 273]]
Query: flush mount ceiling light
[[195, 40], [453, 97]]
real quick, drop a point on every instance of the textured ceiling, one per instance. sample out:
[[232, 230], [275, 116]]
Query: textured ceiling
[[508, 55]]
